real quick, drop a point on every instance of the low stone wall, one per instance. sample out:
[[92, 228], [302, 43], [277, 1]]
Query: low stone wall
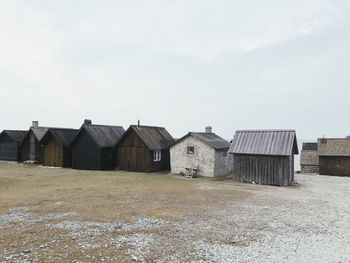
[[309, 169]]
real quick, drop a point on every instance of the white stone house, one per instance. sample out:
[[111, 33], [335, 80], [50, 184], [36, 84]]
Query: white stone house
[[203, 150]]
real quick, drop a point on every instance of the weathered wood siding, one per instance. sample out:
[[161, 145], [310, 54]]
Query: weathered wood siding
[[335, 165], [55, 154], [264, 169], [86, 155], [133, 155], [8, 149]]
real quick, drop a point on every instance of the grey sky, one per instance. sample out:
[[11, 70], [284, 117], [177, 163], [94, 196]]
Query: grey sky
[[182, 64]]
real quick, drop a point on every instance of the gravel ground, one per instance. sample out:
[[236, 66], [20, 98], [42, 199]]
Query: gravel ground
[[309, 222]]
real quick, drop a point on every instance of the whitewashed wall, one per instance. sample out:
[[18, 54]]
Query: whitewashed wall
[[204, 156]]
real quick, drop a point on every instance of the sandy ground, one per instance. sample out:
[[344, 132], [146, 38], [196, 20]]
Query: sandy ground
[[63, 215]]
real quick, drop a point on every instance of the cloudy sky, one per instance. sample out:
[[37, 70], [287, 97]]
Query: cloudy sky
[[182, 64]]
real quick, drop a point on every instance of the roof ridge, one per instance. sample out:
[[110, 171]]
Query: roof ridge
[[147, 126], [268, 130]]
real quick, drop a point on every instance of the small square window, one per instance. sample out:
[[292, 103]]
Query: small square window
[[190, 150], [157, 155]]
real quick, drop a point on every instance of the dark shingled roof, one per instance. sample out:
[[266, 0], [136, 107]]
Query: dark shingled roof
[[265, 142], [210, 139], [155, 138], [63, 136], [104, 135], [15, 135]]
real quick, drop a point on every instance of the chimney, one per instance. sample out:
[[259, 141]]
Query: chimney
[[87, 122], [138, 122], [35, 124], [208, 129]]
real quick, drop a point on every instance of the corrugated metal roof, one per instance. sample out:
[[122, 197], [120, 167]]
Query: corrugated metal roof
[[155, 138], [104, 135], [210, 139], [265, 142], [64, 136], [15, 135]]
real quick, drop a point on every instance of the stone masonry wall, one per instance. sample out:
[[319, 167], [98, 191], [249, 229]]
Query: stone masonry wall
[[204, 156]]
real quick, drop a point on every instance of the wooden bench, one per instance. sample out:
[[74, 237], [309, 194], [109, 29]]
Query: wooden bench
[[191, 171]]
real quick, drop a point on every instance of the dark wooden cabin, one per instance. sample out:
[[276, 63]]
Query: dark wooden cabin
[[94, 147], [334, 156], [9, 145], [56, 147], [30, 148], [144, 149], [264, 156]]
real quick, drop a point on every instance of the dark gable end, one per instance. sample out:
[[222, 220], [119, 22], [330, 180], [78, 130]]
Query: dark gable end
[[63, 136], [15, 135], [155, 138]]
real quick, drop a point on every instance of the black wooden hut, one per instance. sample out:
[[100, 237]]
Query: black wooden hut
[[144, 149], [9, 145], [56, 147], [30, 148], [94, 147], [264, 156]]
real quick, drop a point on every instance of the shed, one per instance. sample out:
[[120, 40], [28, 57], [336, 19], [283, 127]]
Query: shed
[[30, 148], [94, 147], [309, 161], [264, 156], [144, 149], [9, 145], [334, 156], [56, 147], [204, 151]]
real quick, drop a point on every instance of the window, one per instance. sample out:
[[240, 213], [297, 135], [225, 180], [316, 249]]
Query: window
[[157, 155], [190, 150]]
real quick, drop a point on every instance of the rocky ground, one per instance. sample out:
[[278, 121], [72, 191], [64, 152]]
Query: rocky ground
[[62, 215]]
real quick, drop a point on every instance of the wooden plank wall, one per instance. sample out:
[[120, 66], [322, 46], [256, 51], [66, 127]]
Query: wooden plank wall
[[133, 155], [335, 165], [261, 169], [53, 153]]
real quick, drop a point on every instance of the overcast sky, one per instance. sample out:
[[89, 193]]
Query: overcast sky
[[182, 64]]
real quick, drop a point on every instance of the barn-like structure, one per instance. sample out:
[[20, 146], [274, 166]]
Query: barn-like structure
[[56, 147], [144, 149], [264, 156], [94, 147], [334, 156], [30, 148], [9, 145]]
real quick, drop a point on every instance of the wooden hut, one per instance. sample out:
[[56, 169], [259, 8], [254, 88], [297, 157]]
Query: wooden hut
[[30, 148], [56, 147], [334, 156], [200, 153], [9, 145], [94, 147], [144, 149], [309, 161], [264, 156]]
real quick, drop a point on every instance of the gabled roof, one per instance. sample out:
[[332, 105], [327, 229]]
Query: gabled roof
[[39, 132], [63, 136], [211, 139], [265, 142], [104, 135], [155, 138], [15, 135]]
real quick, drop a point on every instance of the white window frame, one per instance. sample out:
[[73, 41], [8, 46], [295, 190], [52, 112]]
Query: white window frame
[[157, 155]]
